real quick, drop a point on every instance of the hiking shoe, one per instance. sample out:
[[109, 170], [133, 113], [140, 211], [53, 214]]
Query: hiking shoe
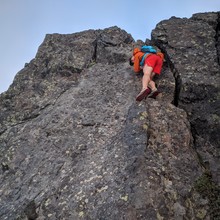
[[153, 94], [143, 94]]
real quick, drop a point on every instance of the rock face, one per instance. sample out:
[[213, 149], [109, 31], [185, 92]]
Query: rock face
[[74, 144], [193, 47]]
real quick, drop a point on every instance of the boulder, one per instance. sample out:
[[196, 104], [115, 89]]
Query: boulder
[[74, 143]]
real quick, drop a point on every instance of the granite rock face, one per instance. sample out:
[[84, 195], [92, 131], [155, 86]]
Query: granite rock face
[[193, 47], [74, 143]]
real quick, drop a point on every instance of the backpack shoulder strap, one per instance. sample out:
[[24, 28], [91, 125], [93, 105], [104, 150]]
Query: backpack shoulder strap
[[143, 59]]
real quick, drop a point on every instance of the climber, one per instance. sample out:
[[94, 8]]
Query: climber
[[152, 65]]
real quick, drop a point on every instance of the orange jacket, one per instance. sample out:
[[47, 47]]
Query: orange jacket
[[137, 59], [138, 56]]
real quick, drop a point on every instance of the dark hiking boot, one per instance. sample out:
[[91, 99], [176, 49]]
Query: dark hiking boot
[[153, 94], [143, 94]]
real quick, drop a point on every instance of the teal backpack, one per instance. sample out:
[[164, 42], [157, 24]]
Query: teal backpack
[[147, 49]]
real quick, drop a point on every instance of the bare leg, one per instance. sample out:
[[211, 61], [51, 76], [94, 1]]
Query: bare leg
[[147, 78], [147, 81], [152, 84]]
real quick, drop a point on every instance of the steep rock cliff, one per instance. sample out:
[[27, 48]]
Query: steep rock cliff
[[74, 144]]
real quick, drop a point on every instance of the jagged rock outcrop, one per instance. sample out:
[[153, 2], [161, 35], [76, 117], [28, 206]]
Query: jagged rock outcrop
[[74, 144], [192, 48]]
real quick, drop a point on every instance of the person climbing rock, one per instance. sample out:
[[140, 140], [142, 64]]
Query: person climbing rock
[[151, 63]]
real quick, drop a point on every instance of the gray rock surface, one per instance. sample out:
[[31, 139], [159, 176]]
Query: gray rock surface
[[192, 48], [74, 143]]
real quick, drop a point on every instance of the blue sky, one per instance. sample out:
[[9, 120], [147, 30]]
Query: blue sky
[[24, 23]]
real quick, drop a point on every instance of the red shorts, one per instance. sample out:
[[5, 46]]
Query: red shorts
[[155, 62]]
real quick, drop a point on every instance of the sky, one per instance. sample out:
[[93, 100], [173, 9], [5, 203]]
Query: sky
[[24, 23]]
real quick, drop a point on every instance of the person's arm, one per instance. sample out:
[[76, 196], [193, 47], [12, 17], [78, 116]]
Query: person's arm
[[161, 55], [136, 64]]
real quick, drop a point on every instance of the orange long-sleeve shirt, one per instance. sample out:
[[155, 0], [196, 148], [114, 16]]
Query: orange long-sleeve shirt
[[137, 59]]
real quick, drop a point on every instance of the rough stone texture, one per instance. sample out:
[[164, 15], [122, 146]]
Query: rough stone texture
[[74, 144], [192, 48]]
